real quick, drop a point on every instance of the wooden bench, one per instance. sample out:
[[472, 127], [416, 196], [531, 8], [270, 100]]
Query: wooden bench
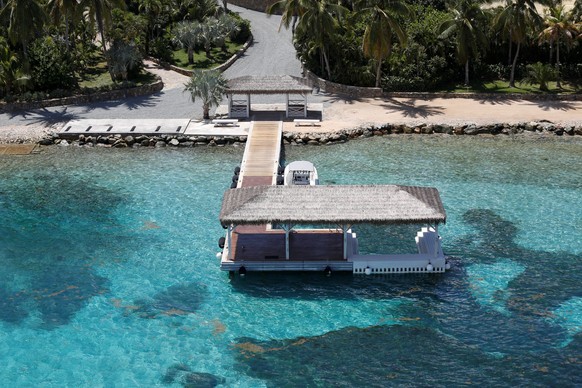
[[225, 122], [312, 122]]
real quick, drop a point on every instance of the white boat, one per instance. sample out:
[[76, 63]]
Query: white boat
[[300, 173]]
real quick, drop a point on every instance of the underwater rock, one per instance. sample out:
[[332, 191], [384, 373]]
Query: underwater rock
[[181, 299], [64, 290], [383, 356], [182, 374], [11, 306]]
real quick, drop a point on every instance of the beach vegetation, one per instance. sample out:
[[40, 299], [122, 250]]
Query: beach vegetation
[[207, 85], [447, 43]]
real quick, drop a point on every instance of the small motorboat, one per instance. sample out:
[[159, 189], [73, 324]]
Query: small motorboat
[[300, 173]]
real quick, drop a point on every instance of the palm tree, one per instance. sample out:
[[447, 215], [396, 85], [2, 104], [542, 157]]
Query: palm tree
[[559, 25], [186, 34], [25, 18], [209, 86], [226, 26], [539, 73], [151, 8], [319, 22], [577, 10], [465, 24], [99, 12], [382, 23], [208, 34], [516, 18], [67, 9], [11, 73], [290, 10]]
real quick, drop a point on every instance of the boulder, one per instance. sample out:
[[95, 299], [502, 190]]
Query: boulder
[[174, 142]]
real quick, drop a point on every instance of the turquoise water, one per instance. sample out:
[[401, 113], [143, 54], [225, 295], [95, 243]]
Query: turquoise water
[[108, 273]]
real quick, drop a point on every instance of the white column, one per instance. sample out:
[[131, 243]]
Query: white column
[[248, 105], [305, 105], [229, 105], [345, 229], [287, 228], [287, 105], [229, 241]]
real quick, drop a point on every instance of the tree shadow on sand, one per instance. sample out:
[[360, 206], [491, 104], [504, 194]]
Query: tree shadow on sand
[[411, 108], [130, 103], [46, 117], [549, 105]]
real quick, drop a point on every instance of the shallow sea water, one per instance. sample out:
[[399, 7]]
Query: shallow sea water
[[108, 275]]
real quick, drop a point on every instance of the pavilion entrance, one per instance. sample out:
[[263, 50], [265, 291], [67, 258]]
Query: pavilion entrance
[[241, 89]]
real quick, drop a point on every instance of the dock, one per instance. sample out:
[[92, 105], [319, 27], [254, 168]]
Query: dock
[[262, 247]]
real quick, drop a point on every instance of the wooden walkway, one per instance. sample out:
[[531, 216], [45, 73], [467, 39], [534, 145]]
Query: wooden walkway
[[261, 158]]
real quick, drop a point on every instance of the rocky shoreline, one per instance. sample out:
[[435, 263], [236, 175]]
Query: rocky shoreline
[[313, 138]]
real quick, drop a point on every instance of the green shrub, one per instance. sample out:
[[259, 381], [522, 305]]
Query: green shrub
[[50, 64], [161, 48]]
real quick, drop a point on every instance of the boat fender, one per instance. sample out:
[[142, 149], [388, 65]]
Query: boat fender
[[242, 271], [281, 170], [233, 185], [327, 271], [221, 242], [224, 226], [280, 180], [447, 265], [368, 271], [218, 255], [236, 170], [429, 267], [235, 178]]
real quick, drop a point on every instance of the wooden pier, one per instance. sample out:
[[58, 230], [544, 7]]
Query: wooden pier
[[260, 244]]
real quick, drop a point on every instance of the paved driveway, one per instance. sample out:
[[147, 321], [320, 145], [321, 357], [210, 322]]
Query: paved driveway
[[271, 53]]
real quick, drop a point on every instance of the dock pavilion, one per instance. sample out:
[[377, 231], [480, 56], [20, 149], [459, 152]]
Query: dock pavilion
[[277, 246], [260, 85]]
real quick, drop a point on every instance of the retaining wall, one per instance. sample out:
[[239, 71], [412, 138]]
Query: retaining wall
[[143, 90]]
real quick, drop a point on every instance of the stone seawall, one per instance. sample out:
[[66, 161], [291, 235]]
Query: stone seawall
[[314, 138]]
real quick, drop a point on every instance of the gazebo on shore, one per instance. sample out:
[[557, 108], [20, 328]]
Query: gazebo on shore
[[273, 84]]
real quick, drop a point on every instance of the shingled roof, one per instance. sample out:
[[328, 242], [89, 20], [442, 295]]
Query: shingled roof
[[377, 204], [272, 84]]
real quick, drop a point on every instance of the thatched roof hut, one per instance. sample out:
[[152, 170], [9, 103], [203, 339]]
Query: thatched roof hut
[[272, 84], [340, 205]]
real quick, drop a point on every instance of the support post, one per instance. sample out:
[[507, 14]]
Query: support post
[[229, 241], [229, 96], [248, 105], [287, 228], [305, 105], [287, 105], [345, 229]]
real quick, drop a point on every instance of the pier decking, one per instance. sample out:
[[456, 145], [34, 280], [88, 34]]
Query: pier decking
[[262, 152]]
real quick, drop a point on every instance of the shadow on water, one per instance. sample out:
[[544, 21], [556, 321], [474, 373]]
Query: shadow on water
[[450, 338], [50, 215], [392, 355]]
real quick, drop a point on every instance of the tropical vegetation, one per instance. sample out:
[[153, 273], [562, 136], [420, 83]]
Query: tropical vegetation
[[209, 86], [423, 45], [52, 48]]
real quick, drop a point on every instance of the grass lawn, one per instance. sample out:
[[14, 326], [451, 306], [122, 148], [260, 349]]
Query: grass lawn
[[218, 57], [98, 76], [502, 87]]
